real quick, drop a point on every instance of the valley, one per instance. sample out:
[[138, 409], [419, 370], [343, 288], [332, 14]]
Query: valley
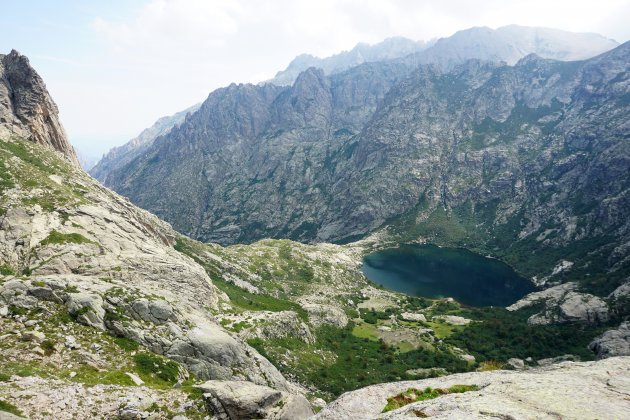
[[408, 235]]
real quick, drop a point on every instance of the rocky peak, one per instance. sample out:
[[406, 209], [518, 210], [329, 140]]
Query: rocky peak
[[26, 108]]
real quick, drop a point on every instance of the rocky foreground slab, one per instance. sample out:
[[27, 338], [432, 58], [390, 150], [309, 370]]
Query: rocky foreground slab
[[572, 390]]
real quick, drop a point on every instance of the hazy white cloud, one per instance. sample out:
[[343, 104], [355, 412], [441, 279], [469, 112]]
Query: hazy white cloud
[[172, 53]]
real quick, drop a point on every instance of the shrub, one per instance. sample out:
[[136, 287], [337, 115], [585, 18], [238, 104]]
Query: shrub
[[413, 395], [126, 344], [151, 365], [5, 270], [48, 347], [10, 408], [56, 237]]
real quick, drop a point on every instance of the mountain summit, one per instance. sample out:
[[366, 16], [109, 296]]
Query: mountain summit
[[26, 108]]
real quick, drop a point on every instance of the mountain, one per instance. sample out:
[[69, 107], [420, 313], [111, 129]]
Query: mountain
[[26, 108], [505, 159], [120, 156], [389, 49], [509, 44], [106, 311]]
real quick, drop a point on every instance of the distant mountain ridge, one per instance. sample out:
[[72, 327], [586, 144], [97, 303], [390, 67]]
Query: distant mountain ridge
[[389, 49], [120, 156], [509, 44]]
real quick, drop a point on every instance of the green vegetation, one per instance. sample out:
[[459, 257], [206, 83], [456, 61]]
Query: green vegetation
[[32, 171], [28, 154], [239, 297], [354, 363], [10, 408], [6, 181], [126, 344], [490, 365], [372, 316], [48, 347], [245, 300], [503, 334], [5, 270], [56, 237], [157, 369], [71, 289], [413, 395]]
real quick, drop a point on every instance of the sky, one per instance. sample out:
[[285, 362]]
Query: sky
[[115, 66]]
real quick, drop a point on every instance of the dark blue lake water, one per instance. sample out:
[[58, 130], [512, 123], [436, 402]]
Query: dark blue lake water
[[434, 272]]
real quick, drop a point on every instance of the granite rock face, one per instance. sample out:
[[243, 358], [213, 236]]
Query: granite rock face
[[120, 156], [234, 400], [564, 390], [511, 160], [390, 49], [26, 108], [113, 267], [615, 342], [563, 303]]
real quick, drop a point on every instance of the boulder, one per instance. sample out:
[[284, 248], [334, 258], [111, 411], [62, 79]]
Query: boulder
[[278, 325], [453, 319], [88, 309], [34, 336], [244, 400], [558, 359], [583, 307], [211, 353], [563, 303], [135, 378], [614, 342], [319, 315], [14, 292], [161, 310], [72, 343], [410, 316], [516, 364]]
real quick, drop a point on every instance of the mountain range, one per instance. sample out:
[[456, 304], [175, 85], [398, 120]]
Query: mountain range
[[107, 311], [503, 159]]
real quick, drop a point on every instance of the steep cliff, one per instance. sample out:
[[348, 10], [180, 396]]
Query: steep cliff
[[26, 108], [118, 157], [517, 160]]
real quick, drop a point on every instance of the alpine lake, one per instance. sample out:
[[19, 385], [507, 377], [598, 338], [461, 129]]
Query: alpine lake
[[435, 272]]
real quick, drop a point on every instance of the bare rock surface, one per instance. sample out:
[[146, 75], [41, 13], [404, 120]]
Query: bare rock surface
[[26, 108], [614, 342], [563, 303], [233, 400], [58, 399], [566, 390], [114, 268]]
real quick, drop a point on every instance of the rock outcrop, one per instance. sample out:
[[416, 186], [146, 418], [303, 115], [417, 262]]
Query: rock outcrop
[[565, 390], [113, 267], [26, 108], [615, 342], [563, 303], [234, 400], [120, 156]]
